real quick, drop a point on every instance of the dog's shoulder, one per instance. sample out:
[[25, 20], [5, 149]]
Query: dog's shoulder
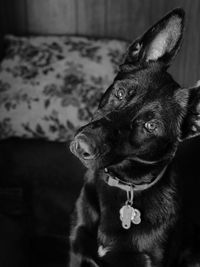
[[87, 204]]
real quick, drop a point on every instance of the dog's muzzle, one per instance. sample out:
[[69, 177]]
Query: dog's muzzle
[[84, 147]]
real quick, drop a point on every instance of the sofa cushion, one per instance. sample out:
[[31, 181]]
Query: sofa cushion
[[49, 177], [40, 181], [50, 86]]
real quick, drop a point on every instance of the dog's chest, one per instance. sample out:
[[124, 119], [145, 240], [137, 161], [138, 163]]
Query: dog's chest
[[112, 237], [111, 250], [128, 249]]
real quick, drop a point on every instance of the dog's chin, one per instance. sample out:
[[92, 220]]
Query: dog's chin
[[117, 168], [101, 161], [135, 172], [98, 163], [90, 164], [94, 164], [125, 168]]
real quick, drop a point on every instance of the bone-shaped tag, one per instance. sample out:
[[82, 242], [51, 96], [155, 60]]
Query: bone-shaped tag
[[136, 219], [126, 215]]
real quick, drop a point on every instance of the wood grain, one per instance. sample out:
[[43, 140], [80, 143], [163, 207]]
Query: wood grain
[[14, 16], [2, 27], [51, 16], [126, 19], [91, 17], [186, 67], [12, 19]]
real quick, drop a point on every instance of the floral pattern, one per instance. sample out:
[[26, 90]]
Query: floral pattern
[[50, 86]]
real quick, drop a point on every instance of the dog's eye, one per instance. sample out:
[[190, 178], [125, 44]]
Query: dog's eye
[[131, 93], [120, 94], [150, 126]]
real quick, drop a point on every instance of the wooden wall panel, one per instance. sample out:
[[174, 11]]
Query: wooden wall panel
[[51, 16], [91, 17], [14, 16], [187, 64], [12, 19], [2, 27], [126, 19]]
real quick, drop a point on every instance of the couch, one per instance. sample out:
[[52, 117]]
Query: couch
[[49, 87], [40, 181]]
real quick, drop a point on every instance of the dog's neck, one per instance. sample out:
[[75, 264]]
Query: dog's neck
[[139, 197], [128, 186]]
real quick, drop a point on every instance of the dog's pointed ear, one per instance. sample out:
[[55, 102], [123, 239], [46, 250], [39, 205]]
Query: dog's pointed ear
[[191, 123], [161, 42]]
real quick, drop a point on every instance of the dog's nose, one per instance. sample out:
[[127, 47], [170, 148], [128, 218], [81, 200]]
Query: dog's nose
[[83, 147]]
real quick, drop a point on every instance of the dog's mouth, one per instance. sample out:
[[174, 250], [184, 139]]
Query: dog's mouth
[[130, 169], [135, 170]]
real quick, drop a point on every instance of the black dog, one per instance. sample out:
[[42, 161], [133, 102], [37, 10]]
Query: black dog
[[130, 211]]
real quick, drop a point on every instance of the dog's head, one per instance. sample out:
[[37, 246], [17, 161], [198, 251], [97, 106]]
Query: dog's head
[[144, 113]]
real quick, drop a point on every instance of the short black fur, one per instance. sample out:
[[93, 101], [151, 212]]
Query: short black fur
[[134, 135]]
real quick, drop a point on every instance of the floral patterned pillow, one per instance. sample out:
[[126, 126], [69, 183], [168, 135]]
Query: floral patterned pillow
[[50, 86]]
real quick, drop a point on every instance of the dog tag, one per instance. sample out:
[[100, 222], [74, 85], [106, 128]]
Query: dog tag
[[126, 215], [136, 219]]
